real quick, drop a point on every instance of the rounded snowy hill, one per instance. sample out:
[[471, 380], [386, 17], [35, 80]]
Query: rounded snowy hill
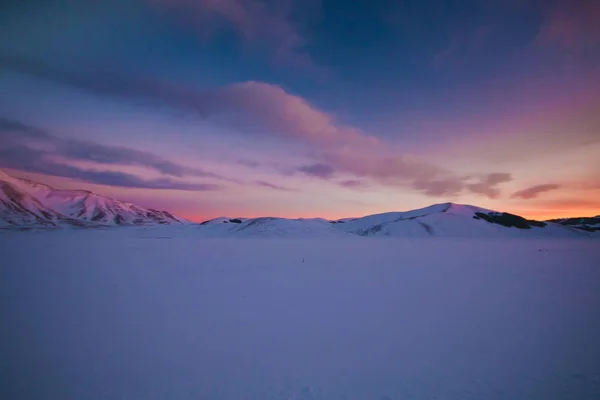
[[269, 227], [452, 220]]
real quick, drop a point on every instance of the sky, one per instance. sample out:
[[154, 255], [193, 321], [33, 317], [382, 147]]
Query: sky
[[306, 108]]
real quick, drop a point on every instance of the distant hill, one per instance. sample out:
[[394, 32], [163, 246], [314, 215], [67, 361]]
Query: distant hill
[[439, 220], [589, 224]]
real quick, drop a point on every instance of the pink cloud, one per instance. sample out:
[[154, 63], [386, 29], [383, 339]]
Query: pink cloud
[[274, 109], [535, 191]]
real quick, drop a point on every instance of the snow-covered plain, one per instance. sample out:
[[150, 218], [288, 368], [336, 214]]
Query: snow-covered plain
[[142, 314]]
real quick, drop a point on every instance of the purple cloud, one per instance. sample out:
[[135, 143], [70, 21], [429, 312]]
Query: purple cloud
[[535, 191], [322, 171], [32, 160], [488, 184]]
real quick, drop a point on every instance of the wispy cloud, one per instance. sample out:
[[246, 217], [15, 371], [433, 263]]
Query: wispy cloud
[[16, 132], [535, 191], [273, 186], [30, 148], [32, 160]]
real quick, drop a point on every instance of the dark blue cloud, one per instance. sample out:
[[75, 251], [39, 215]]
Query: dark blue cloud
[[16, 128], [14, 132]]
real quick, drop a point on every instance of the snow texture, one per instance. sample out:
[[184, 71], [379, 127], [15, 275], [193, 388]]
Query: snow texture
[[164, 313]]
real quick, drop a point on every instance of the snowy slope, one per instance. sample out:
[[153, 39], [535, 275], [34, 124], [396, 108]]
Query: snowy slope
[[19, 208], [24, 203], [446, 220]]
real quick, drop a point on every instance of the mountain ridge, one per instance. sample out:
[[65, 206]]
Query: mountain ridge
[[25, 204]]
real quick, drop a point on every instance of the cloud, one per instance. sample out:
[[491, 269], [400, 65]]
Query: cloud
[[8, 126], [15, 132], [488, 184], [267, 109], [101, 154], [395, 170], [535, 191], [259, 106], [450, 186], [32, 160], [403, 171], [353, 184], [322, 171], [257, 22], [273, 186], [572, 27], [273, 109]]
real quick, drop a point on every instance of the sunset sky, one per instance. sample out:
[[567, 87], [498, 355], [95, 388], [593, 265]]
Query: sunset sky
[[305, 108]]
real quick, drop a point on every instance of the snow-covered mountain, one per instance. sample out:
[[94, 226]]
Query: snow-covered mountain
[[24, 203], [442, 220]]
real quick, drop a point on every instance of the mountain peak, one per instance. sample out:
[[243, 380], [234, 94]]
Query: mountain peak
[[28, 203]]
